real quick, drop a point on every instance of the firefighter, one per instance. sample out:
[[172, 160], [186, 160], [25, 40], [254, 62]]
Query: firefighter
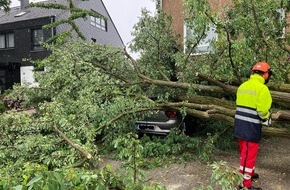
[[253, 110]]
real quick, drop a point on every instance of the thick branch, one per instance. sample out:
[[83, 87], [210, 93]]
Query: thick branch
[[77, 147], [226, 88], [135, 65], [187, 86], [229, 46], [281, 87], [189, 54], [283, 115], [279, 98], [208, 100], [272, 131], [210, 109]]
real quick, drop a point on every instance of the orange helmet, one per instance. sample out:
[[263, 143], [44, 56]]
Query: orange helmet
[[264, 68], [261, 66]]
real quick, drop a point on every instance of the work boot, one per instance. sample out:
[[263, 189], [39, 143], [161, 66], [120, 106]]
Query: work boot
[[255, 176]]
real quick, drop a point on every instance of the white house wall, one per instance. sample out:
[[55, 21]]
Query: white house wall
[[27, 76]]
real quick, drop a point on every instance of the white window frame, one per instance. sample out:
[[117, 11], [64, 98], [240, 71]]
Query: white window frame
[[10, 37], [204, 46], [37, 39], [100, 23], [2, 41], [7, 40]]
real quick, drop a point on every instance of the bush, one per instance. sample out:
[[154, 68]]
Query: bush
[[39, 177], [223, 176], [225, 139], [2, 107]]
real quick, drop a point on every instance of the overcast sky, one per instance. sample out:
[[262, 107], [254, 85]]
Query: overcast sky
[[124, 13]]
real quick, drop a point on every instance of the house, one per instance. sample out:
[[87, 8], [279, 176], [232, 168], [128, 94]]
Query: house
[[175, 8], [21, 35]]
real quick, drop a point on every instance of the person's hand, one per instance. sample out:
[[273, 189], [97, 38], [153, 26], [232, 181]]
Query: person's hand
[[268, 122]]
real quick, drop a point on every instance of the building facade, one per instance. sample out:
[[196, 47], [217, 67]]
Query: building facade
[[175, 8], [21, 36]]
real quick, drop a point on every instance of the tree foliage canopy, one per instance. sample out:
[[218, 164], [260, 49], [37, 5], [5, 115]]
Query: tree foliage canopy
[[89, 89], [5, 4]]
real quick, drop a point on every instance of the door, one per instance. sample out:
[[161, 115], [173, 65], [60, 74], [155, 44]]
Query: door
[[9, 75]]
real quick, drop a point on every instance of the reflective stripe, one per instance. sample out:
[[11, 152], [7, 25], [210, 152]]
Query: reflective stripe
[[248, 170], [245, 110], [246, 91], [240, 117]]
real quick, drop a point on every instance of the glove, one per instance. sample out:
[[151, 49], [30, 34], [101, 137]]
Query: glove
[[267, 122]]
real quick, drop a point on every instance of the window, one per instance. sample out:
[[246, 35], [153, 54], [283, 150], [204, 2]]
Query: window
[[37, 39], [204, 45], [6, 40], [99, 23]]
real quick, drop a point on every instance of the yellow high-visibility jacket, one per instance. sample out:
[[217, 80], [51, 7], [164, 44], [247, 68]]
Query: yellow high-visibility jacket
[[253, 105]]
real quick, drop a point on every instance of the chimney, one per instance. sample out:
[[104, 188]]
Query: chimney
[[24, 4]]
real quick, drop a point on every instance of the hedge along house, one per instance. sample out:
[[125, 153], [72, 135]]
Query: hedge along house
[[21, 36], [175, 8]]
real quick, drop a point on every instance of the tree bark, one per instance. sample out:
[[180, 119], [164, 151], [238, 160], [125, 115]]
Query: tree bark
[[226, 115], [279, 98], [281, 87], [77, 147]]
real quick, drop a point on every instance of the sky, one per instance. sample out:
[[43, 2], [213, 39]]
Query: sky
[[125, 17]]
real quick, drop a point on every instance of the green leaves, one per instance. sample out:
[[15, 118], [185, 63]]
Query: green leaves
[[5, 4], [224, 176], [248, 32], [38, 177], [155, 40], [94, 93]]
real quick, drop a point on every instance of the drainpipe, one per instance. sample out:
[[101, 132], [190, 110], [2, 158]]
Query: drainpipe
[[53, 29]]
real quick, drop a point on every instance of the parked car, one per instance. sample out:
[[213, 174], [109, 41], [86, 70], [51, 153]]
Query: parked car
[[161, 122]]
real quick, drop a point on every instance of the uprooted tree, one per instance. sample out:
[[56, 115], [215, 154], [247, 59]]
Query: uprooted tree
[[89, 89]]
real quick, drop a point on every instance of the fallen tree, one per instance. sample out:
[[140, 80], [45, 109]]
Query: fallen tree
[[89, 89], [203, 84]]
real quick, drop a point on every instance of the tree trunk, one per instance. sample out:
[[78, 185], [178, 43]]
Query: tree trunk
[[219, 108], [279, 98]]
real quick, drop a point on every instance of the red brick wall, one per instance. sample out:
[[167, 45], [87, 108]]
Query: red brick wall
[[175, 9]]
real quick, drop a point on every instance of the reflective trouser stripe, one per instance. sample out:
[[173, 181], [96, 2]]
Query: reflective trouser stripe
[[249, 170]]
